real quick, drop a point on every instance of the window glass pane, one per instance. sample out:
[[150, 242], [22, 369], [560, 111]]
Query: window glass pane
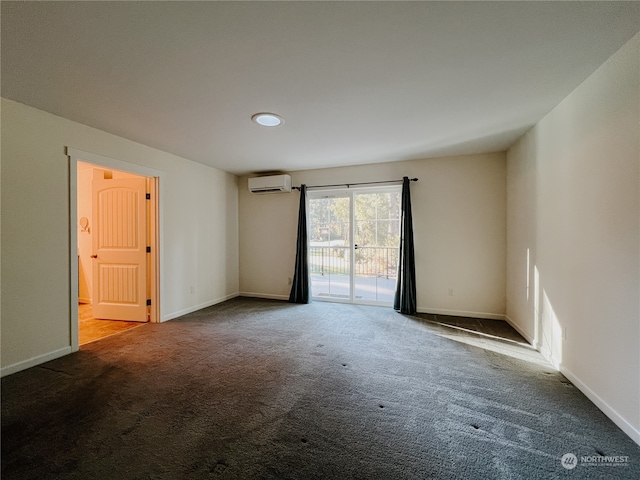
[[330, 247]]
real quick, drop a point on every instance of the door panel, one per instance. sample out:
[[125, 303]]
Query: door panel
[[377, 237], [119, 249], [330, 248]]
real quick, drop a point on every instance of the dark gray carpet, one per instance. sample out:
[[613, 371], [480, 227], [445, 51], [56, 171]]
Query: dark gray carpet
[[263, 389]]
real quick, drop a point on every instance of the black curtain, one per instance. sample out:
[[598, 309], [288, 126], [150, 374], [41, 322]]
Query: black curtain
[[300, 286], [405, 298]]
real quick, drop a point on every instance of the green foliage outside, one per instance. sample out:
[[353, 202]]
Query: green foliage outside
[[377, 224]]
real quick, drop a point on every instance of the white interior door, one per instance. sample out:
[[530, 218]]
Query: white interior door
[[119, 249]]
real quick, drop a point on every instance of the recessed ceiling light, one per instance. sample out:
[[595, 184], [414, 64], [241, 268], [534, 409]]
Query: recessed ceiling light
[[267, 119]]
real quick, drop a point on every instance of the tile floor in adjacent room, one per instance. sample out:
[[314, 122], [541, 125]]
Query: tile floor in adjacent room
[[92, 329]]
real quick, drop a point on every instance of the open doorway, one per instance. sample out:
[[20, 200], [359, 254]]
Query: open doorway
[[113, 234], [114, 230]]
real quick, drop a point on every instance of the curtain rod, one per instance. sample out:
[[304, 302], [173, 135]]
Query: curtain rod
[[349, 185]]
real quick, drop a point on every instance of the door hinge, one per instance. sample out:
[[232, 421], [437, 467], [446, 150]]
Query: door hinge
[[148, 249], [148, 196], [148, 302]]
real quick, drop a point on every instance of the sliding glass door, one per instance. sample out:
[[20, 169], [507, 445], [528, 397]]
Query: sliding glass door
[[353, 244]]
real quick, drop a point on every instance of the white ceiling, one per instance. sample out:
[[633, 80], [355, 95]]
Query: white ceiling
[[356, 82]]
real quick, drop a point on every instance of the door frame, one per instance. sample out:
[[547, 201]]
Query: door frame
[[349, 193], [155, 266]]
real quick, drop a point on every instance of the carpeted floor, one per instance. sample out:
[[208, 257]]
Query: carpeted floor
[[259, 389]]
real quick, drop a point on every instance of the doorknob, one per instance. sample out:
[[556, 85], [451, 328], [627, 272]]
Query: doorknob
[[94, 256]]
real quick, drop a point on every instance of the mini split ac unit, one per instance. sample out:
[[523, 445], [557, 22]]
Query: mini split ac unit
[[270, 184]]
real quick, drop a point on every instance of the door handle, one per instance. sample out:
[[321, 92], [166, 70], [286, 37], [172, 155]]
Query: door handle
[[94, 256]]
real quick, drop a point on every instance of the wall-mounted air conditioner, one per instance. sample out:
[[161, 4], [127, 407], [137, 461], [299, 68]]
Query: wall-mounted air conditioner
[[270, 184]]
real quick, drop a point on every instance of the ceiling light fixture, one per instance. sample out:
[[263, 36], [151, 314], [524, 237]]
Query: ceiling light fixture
[[267, 119]]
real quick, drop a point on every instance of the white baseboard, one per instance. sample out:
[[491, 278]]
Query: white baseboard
[[524, 334], [615, 417], [461, 313], [264, 295], [33, 361], [184, 311]]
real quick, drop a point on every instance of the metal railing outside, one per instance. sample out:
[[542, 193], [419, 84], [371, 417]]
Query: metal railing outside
[[378, 262]]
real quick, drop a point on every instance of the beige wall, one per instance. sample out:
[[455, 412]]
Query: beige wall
[[573, 204], [199, 244], [459, 218]]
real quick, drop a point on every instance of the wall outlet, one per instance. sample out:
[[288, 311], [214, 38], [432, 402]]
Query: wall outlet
[[192, 290]]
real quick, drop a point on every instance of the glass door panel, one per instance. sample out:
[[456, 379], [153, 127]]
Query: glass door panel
[[377, 237], [330, 247]]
